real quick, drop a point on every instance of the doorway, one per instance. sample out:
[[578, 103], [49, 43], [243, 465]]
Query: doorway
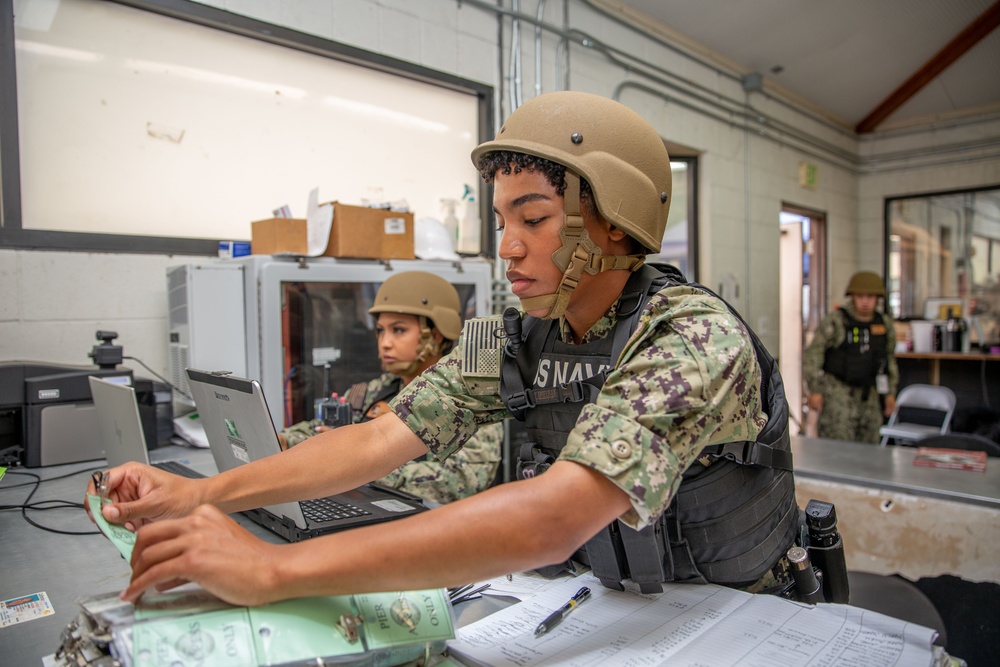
[[802, 291]]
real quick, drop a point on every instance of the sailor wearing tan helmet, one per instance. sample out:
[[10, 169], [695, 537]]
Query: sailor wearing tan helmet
[[850, 365], [418, 320], [640, 388]]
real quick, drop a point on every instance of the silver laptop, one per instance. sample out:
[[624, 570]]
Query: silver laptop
[[239, 430], [121, 426]]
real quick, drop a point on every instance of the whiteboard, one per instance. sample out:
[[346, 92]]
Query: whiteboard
[[131, 122]]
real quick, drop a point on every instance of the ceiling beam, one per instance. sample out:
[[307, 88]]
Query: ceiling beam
[[983, 25]]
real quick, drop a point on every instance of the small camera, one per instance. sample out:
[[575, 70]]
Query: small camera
[[106, 354]]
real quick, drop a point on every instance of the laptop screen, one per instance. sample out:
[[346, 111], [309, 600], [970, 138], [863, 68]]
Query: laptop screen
[[119, 420], [238, 425]]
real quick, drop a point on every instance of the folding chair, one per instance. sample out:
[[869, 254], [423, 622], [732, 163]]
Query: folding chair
[[919, 400]]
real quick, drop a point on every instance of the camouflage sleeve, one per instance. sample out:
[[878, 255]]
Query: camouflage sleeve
[[468, 471], [447, 404], [296, 433], [688, 378], [828, 334]]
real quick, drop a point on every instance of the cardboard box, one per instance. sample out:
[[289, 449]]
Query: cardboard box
[[278, 235], [357, 231]]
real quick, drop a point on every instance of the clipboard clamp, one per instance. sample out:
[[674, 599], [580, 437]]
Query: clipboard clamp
[[101, 479], [348, 626]]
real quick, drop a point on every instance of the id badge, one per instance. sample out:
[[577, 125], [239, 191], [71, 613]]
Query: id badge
[[882, 383]]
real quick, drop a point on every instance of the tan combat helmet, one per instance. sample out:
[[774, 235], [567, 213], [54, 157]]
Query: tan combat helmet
[[620, 155], [865, 282], [427, 296]]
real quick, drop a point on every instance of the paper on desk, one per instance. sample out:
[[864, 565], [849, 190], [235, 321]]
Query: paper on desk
[[520, 585], [190, 428], [689, 625], [319, 221]]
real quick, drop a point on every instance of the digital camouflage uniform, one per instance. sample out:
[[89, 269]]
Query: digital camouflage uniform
[[846, 413], [687, 378], [467, 472]]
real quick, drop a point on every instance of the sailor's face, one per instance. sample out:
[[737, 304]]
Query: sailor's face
[[398, 336], [864, 305], [529, 214]]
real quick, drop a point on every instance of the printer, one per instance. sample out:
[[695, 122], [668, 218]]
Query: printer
[[47, 416]]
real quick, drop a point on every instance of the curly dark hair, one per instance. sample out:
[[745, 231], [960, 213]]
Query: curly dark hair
[[511, 162]]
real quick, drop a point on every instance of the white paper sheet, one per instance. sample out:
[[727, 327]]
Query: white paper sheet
[[690, 625], [319, 221]]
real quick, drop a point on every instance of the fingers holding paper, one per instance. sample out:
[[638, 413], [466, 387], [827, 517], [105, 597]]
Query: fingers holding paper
[[138, 494], [208, 548]]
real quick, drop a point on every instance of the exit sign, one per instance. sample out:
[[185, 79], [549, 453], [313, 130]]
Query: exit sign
[[808, 175]]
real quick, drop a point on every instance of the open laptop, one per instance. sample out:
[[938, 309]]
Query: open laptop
[[239, 429], [121, 426]]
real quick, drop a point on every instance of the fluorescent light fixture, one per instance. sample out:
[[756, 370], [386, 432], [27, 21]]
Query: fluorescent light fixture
[[207, 76], [42, 49], [398, 117]]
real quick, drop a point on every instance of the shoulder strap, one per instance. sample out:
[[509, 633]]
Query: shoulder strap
[[355, 395]]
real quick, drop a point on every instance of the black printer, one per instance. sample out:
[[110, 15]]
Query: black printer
[[47, 416]]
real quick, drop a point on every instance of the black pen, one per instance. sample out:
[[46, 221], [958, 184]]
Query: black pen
[[559, 614]]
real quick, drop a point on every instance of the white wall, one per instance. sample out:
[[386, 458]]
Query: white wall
[[51, 302]]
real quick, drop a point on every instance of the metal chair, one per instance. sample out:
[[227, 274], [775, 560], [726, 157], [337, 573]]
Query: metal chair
[[924, 399]]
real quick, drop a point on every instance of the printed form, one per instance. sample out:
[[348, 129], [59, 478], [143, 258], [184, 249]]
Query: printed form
[[692, 625]]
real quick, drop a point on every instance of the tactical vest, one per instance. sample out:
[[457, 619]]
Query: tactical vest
[[861, 357], [357, 393], [734, 515]]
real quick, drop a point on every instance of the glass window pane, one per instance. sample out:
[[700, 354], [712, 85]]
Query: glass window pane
[[944, 246]]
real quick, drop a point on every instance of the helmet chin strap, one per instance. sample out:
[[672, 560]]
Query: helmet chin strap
[[577, 254], [427, 346]]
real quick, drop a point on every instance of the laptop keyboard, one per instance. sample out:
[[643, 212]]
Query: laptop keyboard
[[178, 468], [325, 509]]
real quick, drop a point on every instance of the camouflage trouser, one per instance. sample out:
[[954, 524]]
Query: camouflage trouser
[[847, 415]]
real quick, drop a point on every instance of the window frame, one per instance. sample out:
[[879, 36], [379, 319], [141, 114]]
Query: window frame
[[13, 235]]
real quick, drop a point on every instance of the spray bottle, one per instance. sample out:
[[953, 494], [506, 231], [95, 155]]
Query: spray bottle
[[450, 220], [470, 228]]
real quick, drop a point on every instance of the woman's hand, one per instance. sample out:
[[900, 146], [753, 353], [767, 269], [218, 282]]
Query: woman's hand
[[210, 549], [140, 494]]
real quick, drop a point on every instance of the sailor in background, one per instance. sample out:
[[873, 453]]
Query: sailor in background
[[850, 365], [418, 320]]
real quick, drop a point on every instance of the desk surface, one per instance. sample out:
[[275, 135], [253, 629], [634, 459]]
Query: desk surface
[[891, 468], [66, 567]]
